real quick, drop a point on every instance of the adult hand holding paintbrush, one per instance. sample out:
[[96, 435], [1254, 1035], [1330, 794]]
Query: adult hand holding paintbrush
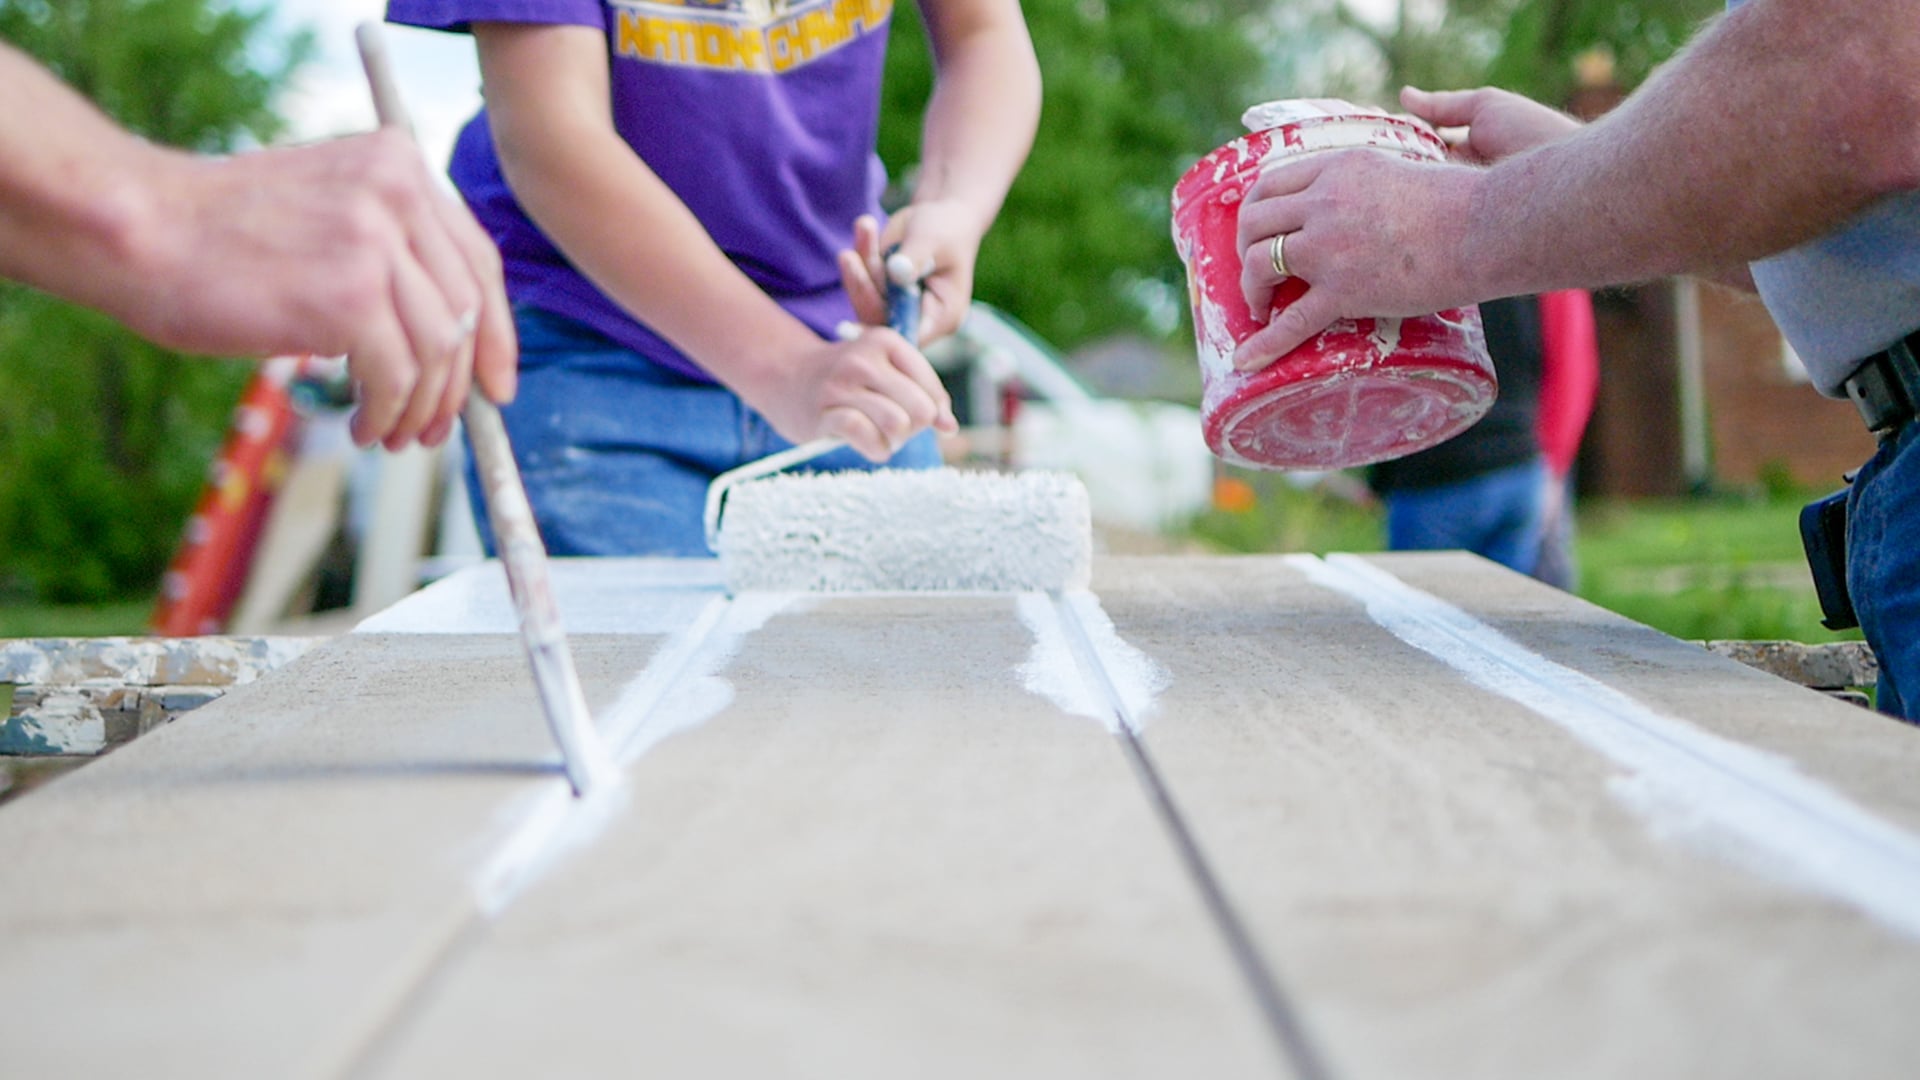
[[522, 553], [346, 247]]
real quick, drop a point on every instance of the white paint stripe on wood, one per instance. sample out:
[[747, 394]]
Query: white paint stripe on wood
[[1750, 807], [1052, 672], [679, 689], [676, 691]]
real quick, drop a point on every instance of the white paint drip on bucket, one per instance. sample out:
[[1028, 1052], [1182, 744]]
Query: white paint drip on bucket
[[1750, 808], [678, 690], [1052, 671]]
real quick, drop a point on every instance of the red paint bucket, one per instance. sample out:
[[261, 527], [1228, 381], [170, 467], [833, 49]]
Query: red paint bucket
[[1361, 391]]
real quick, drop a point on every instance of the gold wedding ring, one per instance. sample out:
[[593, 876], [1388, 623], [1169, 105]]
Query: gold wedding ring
[[1278, 256]]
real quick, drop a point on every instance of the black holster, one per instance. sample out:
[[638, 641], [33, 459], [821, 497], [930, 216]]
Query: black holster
[[1823, 530]]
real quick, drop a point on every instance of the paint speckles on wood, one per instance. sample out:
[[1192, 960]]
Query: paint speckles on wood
[[201, 661], [83, 696]]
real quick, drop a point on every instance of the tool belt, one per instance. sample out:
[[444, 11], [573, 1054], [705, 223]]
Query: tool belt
[[1886, 388]]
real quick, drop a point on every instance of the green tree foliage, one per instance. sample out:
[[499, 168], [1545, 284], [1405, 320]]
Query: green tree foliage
[[1135, 92], [1342, 48], [105, 439], [1435, 45], [1543, 36]]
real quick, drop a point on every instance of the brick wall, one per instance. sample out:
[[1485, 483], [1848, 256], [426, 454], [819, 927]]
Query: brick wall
[[1761, 417]]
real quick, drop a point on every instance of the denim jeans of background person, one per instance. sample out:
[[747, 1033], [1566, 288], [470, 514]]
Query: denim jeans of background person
[[1498, 515], [1490, 489], [617, 452]]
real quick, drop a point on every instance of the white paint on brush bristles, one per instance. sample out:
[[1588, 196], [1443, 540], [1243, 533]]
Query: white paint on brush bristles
[[917, 530], [1053, 671], [678, 690], [1748, 807]]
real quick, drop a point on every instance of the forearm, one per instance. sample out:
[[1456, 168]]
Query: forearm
[[76, 191], [340, 248], [985, 109], [615, 219], [659, 264], [1751, 117], [549, 102]]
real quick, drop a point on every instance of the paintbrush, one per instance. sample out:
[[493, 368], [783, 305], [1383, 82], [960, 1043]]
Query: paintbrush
[[515, 535]]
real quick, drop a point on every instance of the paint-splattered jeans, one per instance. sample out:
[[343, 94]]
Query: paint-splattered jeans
[[616, 452], [1883, 567]]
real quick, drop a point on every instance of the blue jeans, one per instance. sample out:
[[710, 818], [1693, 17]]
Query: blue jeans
[[1556, 564], [1500, 515], [616, 452], [1883, 567]]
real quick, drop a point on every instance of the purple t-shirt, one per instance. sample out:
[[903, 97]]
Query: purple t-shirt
[[761, 116]]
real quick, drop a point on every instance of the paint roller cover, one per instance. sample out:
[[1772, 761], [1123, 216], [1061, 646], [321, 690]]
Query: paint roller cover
[[907, 530]]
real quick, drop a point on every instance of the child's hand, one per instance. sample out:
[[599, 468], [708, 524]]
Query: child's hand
[[875, 391], [940, 238]]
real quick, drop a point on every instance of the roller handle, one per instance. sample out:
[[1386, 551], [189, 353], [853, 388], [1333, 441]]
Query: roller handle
[[903, 296], [903, 316]]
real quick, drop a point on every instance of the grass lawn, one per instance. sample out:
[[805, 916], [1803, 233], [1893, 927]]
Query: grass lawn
[[1721, 567], [126, 618], [1712, 568]]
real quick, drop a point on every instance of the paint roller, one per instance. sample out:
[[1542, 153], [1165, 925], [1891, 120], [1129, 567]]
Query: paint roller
[[892, 530]]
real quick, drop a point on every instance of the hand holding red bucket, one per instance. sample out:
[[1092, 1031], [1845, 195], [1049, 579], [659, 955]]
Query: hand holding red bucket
[[1361, 391]]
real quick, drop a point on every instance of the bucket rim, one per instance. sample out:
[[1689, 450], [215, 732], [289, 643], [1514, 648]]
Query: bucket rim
[[1239, 145]]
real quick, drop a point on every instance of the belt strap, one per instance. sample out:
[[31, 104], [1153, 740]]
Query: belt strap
[[1886, 388]]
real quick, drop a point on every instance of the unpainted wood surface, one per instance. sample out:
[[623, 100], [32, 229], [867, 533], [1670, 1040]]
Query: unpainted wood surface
[[253, 890]]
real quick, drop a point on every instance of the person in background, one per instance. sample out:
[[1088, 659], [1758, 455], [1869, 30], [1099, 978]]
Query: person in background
[[1744, 159], [687, 201], [1493, 489], [346, 247], [1569, 383]]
